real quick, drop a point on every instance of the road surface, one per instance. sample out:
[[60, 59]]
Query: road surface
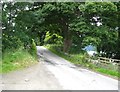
[[56, 73]]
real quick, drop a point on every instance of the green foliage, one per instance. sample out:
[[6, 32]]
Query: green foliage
[[17, 59], [107, 41], [100, 7], [106, 11], [82, 23], [9, 42], [55, 22], [33, 49], [21, 33], [53, 38], [48, 38], [91, 41]]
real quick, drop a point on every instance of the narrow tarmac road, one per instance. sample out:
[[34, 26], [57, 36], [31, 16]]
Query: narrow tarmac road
[[56, 73]]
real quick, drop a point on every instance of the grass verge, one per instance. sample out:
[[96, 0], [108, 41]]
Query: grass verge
[[18, 59], [80, 60]]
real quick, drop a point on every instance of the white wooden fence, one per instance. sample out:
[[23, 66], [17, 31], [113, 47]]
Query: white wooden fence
[[108, 60]]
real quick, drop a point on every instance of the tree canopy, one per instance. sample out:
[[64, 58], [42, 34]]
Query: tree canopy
[[70, 24]]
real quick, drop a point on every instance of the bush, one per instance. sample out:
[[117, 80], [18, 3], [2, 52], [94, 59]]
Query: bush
[[33, 50]]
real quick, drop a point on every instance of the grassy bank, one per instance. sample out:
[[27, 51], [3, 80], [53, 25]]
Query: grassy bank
[[80, 60], [17, 59]]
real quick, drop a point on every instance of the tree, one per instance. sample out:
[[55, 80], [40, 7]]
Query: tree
[[64, 14], [15, 32], [103, 17], [79, 24]]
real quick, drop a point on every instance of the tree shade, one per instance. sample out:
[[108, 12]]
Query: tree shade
[[78, 24]]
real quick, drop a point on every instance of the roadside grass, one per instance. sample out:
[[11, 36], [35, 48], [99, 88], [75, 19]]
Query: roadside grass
[[0, 65], [108, 72], [17, 59], [80, 59]]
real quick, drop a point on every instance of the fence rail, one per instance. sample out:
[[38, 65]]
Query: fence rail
[[106, 63], [108, 60]]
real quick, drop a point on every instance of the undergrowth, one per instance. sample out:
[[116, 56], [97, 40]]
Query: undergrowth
[[17, 59]]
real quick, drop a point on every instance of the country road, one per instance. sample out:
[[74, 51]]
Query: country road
[[56, 73]]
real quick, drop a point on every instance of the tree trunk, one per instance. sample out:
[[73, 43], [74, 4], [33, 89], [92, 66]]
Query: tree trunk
[[67, 39], [67, 45]]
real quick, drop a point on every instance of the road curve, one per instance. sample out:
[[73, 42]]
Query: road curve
[[71, 77], [56, 73]]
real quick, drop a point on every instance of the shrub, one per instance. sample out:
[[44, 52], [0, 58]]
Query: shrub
[[33, 50]]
